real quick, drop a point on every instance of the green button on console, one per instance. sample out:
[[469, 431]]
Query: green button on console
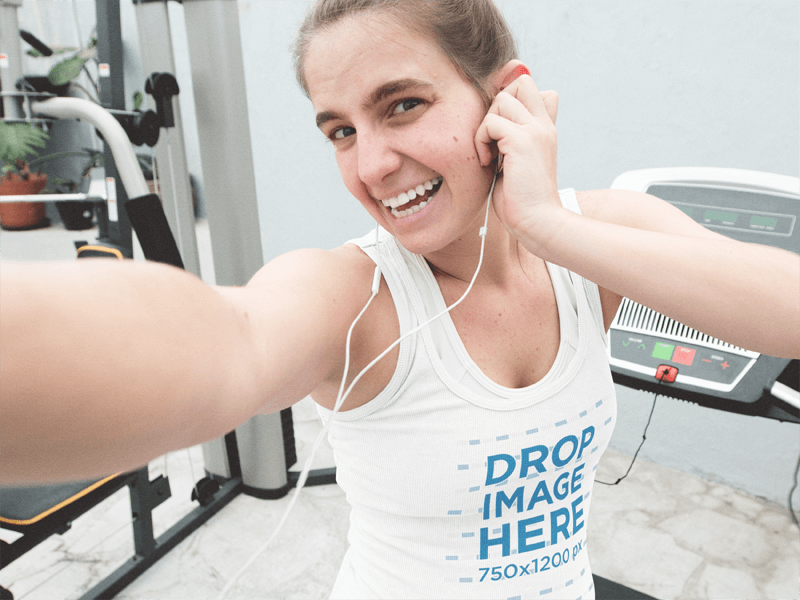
[[663, 351]]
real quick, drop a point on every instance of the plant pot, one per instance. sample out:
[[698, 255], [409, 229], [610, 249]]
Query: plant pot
[[22, 215]]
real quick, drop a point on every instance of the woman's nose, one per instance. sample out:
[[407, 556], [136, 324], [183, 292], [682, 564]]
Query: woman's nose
[[377, 159]]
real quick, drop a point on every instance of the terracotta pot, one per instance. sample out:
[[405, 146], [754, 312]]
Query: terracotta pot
[[22, 215]]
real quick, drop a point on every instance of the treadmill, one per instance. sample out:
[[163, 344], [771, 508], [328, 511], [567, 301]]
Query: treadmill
[[651, 352]]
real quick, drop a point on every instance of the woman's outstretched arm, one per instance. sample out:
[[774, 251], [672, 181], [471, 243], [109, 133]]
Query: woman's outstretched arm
[[105, 365]]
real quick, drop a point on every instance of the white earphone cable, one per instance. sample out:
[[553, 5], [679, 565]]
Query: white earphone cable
[[342, 397]]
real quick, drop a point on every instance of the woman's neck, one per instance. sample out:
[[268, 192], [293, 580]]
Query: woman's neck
[[459, 259]]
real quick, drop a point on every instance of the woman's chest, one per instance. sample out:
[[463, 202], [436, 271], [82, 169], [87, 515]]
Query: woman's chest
[[513, 337]]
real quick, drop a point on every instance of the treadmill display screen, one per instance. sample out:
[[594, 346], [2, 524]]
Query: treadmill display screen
[[744, 215]]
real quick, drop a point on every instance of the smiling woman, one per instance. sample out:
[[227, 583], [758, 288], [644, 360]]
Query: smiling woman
[[468, 452], [393, 103]]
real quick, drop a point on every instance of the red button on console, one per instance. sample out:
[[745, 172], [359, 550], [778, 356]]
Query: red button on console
[[666, 373], [684, 356]]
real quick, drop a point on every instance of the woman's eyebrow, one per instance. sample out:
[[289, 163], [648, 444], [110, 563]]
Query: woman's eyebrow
[[325, 116], [380, 93], [393, 87]]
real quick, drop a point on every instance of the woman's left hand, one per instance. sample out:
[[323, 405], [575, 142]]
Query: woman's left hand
[[521, 120]]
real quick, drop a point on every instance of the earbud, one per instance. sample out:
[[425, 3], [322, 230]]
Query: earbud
[[518, 71]]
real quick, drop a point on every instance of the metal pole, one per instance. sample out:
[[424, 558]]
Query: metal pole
[[10, 56], [112, 95], [215, 48], [155, 46]]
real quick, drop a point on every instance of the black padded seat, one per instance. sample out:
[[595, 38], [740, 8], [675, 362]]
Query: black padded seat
[[24, 506]]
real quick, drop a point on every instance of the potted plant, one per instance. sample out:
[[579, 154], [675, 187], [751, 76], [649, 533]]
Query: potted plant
[[18, 143], [68, 175], [75, 214]]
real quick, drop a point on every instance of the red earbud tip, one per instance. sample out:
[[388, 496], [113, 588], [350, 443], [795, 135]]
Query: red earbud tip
[[520, 70]]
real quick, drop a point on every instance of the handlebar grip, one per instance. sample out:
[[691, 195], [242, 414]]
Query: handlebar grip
[[150, 224], [35, 42]]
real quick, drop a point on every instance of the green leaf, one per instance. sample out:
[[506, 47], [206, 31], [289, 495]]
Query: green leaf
[[18, 140], [33, 52], [138, 98], [66, 71]]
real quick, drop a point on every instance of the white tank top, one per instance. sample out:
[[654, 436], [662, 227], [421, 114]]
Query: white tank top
[[460, 487]]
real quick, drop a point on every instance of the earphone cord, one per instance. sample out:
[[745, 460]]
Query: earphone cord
[[342, 397]]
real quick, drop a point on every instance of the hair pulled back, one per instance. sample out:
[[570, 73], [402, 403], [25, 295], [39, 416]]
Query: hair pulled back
[[472, 33]]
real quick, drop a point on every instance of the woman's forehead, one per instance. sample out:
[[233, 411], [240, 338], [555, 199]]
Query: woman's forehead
[[366, 51]]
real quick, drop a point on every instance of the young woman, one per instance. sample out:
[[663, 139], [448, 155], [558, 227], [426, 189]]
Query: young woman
[[468, 452]]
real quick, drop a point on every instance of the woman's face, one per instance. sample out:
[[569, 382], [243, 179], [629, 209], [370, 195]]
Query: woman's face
[[401, 118]]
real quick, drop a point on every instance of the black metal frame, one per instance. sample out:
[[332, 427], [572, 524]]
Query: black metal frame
[[145, 496], [148, 549]]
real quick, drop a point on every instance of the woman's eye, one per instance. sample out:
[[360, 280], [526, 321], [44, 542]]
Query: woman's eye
[[406, 105], [341, 133]]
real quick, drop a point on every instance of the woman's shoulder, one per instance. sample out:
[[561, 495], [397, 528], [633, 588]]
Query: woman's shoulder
[[340, 267], [341, 277]]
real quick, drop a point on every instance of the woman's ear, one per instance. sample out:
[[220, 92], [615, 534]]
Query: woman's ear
[[515, 68], [508, 73]]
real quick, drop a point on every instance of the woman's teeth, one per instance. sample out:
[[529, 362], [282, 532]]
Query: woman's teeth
[[410, 195]]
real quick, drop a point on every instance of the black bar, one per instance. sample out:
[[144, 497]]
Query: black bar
[[232, 449], [325, 476], [289, 447], [147, 216], [142, 514], [112, 95], [610, 590]]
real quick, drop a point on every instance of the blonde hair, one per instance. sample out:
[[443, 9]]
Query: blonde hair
[[472, 33]]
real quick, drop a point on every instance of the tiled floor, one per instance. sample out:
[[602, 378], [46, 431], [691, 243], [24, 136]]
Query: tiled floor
[[665, 533]]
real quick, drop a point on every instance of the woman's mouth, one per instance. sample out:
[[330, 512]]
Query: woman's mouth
[[414, 199]]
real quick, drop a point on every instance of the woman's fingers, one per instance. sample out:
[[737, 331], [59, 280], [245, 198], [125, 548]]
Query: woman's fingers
[[550, 99], [494, 127], [510, 110], [524, 89], [520, 125]]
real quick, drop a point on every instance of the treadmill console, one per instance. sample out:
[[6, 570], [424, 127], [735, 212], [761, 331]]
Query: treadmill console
[[652, 352]]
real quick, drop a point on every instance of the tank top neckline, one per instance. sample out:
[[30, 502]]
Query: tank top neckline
[[498, 397]]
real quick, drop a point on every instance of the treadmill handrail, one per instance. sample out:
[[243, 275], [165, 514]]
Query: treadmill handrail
[[785, 393]]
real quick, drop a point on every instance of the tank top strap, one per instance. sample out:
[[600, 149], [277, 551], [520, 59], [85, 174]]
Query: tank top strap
[[395, 273], [394, 267]]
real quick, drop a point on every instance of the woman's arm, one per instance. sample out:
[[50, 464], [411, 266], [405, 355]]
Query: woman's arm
[[636, 245], [105, 365], [643, 248]]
